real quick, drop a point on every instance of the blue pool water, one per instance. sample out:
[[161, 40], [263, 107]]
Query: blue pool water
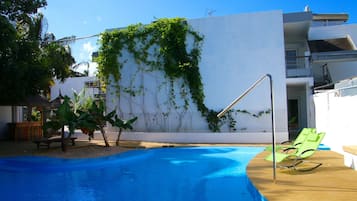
[[170, 174]]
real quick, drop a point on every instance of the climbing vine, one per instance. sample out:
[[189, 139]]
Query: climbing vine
[[161, 45]]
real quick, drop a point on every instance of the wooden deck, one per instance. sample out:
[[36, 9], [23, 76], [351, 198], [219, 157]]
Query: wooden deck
[[331, 181]]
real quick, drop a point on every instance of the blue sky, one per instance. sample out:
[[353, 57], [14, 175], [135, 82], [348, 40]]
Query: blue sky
[[89, 17]]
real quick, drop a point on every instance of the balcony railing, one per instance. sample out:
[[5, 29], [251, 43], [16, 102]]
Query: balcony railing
[[298, 66]]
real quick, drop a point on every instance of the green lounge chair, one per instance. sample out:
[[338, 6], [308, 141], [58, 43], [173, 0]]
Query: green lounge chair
[[305, 150], [303, 134]]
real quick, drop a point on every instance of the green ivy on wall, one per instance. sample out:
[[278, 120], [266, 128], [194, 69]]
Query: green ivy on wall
[[160, 45]]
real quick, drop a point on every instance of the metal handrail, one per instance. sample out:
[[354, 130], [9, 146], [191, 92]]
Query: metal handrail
[[272, 113]]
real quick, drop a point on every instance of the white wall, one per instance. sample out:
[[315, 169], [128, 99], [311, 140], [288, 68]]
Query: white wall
[[226, 138], [237, 50], [337, 117], [5, 118], [69, 85], [338, 70]]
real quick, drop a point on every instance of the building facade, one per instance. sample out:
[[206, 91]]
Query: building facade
[[319, 51], [235, 53], [302, 51]]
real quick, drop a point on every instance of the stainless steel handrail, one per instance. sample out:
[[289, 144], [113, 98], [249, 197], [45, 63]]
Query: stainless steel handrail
[[272, 113]]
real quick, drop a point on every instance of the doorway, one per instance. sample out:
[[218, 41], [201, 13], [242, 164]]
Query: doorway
[[297, 109], [293, 118]]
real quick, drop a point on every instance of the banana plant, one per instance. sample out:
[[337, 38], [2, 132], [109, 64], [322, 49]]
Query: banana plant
[[122, 124], [81, 114], [95, 119], [81, 104], [64, 116]]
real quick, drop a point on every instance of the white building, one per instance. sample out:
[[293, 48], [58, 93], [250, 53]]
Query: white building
[[76, 84], [235, 53], [300, 50]]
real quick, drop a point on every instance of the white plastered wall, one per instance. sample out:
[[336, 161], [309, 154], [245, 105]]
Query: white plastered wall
[[337, 117], [237, 50], [70, 85], [5, 118]]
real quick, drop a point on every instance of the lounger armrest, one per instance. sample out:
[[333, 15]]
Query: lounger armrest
[[298, 143], [286, 142], [289, 149], [307, 150]]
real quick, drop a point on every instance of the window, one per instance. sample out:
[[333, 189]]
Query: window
[[91, 84]]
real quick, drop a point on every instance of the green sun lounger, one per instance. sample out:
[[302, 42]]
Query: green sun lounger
[[303, 134], [305, 150]]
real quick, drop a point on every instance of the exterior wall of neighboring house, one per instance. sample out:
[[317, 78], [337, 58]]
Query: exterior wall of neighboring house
[[336, 115], [337, 70], [73, 84], [237, 50], [9, 114], [5, 118]]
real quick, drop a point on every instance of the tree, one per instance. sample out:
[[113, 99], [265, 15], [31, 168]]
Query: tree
[[29, 61], [16, 9]]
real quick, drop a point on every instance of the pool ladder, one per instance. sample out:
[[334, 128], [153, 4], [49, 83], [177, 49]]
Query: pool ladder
[[272, 113]]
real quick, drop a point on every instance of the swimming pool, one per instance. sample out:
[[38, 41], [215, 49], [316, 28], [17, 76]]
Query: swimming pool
[[165, 174]]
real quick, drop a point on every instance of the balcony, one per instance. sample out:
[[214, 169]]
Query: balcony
[[297, 66], [298, 72]]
